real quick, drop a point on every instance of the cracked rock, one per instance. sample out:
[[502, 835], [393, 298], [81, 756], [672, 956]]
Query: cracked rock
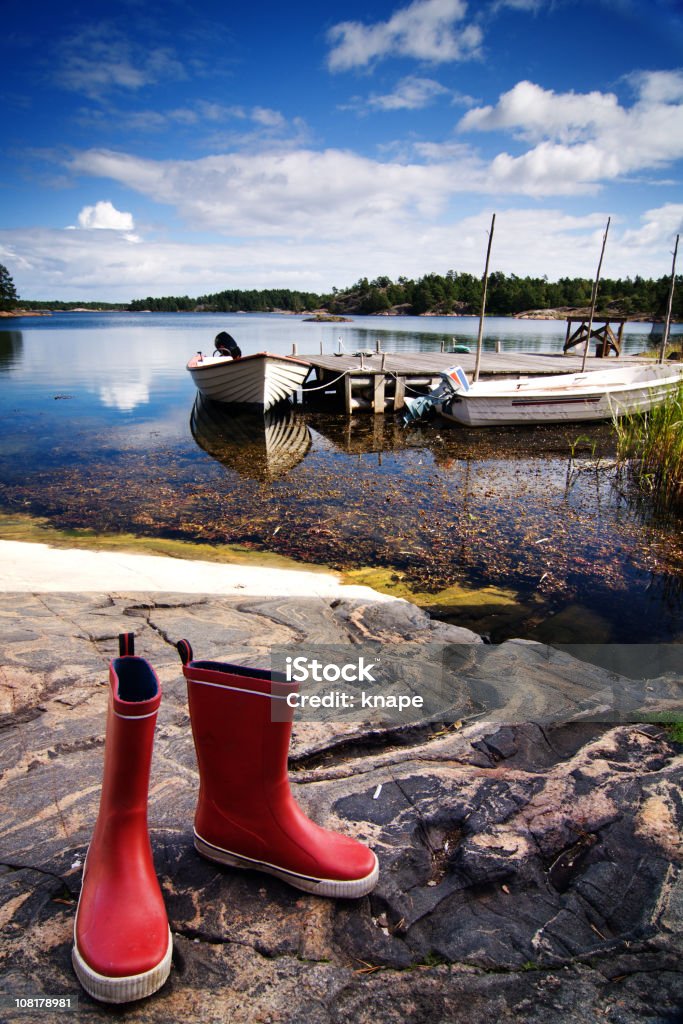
[[529, 870]]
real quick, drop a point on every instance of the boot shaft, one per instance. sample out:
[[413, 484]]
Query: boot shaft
[[134, 700], [241, 724]]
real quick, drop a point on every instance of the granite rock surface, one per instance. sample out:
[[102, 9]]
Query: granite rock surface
[[530, 865]]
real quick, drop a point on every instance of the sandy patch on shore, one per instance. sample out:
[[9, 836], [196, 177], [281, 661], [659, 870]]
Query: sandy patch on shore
[[34, 568]]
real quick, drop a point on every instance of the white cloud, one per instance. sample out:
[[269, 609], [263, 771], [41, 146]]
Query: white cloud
[[659, 224], [82, 264], [550, 169], [587, 139], [105, 215], [429, 30], [209, 111], [659, 86], [205, 111], [301, 217], [268, 118], [518, 5], [213, 125], [541, 113], [579, 143], [300, 192], [411, 93], [100, 58]]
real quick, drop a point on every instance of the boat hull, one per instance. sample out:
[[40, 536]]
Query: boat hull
[[566, 398], [257, 381]]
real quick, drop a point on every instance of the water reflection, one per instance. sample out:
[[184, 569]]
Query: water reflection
[[402, 334], [259, 446], [362, 435], [125, 397], [11, 348]]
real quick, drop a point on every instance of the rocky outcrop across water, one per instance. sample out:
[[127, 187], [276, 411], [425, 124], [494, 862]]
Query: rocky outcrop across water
[[529, 871]]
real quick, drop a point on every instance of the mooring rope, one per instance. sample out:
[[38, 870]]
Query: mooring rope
[[407, 387], [330, 383], [327, 384]]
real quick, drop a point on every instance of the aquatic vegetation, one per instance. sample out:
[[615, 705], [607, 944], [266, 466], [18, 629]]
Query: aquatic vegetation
[[650, 447], [501, 532]]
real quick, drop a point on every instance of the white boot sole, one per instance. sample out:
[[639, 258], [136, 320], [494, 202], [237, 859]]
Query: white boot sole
[[122, 990], [346, 889]]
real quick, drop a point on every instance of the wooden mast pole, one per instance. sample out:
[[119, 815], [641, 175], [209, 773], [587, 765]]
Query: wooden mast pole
[[669, 304], [480, 336], [594, 297]]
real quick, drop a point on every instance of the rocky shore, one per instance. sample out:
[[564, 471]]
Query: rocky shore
[[15, 313], [530, 867]]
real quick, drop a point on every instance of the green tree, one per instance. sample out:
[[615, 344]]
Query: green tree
[[423, 297], [8, 293], [375, 301]]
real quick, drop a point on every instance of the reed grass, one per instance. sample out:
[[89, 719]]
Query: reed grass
[[672, 351], [651, 445]]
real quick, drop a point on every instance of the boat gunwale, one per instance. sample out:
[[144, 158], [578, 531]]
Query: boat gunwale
[[532, 387], [206, 362]]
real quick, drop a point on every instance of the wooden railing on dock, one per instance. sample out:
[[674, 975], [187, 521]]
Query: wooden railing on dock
[[605, 338]]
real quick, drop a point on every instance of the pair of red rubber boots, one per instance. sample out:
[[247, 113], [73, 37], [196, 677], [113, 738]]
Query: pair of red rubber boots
[[246, 816]]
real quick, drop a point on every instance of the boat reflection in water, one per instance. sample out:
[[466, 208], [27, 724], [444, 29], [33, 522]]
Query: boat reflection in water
[[260, 446]]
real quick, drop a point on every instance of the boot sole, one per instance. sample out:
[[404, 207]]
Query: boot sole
[[122, 990], [347, 889]]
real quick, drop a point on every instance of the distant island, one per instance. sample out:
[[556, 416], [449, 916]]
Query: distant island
[[453, 294]]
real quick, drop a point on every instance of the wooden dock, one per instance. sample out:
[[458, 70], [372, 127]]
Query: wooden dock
[[379, 382], [606, 340]]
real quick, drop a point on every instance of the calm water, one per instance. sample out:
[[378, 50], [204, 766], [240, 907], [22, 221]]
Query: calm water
[[99, 429]]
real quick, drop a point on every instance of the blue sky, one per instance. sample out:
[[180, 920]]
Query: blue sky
[[182, 147]]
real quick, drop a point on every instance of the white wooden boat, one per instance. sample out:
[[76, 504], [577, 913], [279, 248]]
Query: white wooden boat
[[564, 398], [260, 380]]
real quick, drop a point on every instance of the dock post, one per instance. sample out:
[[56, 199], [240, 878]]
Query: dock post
[[443, 346], [321, 346], [348, 408], [399, 393], [294, 348], [378, 394], [378, 345]]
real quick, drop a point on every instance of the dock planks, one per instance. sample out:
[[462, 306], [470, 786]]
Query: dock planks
[[378, 383]]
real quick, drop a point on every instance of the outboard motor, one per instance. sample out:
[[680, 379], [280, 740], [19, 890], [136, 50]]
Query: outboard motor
[[453, 381], [227, 346]]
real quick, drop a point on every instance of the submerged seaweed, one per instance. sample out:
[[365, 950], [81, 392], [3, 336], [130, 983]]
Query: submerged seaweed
[[515, 533]]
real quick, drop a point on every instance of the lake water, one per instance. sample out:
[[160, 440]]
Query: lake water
[[98, 429]]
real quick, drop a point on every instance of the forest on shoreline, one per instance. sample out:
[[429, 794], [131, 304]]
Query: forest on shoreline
[[435, 294]]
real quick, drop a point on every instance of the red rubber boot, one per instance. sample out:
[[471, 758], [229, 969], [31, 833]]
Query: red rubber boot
[[122, 942], [246, 815]]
